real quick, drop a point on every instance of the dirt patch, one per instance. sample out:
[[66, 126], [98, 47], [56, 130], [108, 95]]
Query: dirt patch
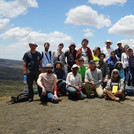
[[88, 116]]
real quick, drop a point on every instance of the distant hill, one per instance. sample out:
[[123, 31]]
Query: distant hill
[[7, 62], [11, 69]]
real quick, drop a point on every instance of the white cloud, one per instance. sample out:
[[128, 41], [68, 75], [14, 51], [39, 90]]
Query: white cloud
[[4, 24], [107, 2], [24, 36], [16, 33], [88, 32], [129, 42], [125, 26], [11, 9], [85, 15]]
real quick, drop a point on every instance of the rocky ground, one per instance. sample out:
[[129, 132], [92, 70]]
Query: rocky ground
[[88, 116]]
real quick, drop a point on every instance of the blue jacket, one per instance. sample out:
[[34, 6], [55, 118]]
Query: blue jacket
[[111, 59]]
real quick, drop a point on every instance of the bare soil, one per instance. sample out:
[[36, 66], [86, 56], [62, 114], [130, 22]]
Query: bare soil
[[88, 116]]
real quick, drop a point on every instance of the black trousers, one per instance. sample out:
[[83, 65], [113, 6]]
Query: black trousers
[[31, 77]]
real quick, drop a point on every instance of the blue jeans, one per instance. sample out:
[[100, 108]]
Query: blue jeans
[[62, 87], [49, 96], [73, 94]]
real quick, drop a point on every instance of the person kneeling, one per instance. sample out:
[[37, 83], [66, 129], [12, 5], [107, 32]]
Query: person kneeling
[[47, 81], [115, 87], [74, 83]]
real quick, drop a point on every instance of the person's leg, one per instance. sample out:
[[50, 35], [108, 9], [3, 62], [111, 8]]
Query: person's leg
[[30, 84], [110, 95], [99, 91], [119, 94], [62, 87], [80, 95], [51, 97], [89, 87], [72, 92]]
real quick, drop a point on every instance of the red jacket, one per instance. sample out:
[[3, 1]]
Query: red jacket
[[78, 54]]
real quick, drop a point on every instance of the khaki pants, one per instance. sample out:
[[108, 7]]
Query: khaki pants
[[97, 88]]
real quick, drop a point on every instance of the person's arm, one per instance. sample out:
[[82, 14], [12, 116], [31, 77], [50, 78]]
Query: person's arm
[[41, 68], [108, 86], [54, 87], [24, 68], [99, 77], [121, 85], [39, 82]]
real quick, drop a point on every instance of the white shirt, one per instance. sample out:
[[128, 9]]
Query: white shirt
[[124, 60], [107, 52], [74, 80]]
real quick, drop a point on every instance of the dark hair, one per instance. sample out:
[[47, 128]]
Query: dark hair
[[112, 52], [46, 44], [61, 44], [84, 40]]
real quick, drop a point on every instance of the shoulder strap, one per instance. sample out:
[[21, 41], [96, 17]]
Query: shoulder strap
[[42, 54]]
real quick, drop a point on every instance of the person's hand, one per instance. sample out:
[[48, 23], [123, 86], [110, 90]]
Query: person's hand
[[93, 83], [106, 80], [43, 92], [112, 62], [77, 88], [56, 97], [66, 65], [86, 81], [25, 72]]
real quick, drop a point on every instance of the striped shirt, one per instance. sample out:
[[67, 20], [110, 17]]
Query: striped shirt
[[48, 81]]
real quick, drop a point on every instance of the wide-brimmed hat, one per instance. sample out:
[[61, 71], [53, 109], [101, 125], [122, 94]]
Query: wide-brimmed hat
[[74, 66], [33, 43], [49, 65], [72, 44], [119, 43], [109, 42]]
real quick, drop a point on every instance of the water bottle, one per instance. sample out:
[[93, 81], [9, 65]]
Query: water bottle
[[25, 79], [25, 90]]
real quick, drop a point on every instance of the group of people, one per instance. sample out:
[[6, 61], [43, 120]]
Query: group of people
[[79, 73]]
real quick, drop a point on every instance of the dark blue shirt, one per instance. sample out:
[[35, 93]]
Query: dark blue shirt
[[32, 60], [60, 74]]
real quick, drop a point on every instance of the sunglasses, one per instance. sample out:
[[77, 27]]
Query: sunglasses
[[115, 72]]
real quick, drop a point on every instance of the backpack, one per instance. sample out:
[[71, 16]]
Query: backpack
[[42, 55], [20, 98]]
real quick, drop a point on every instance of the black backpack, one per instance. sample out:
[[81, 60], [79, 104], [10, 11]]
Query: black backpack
[[20, 98]]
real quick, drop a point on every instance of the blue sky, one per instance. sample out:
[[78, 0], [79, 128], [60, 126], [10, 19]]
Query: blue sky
[[56, 21]]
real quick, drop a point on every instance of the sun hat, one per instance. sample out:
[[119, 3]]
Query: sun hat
[[109, 42], [74, 66], [49, 65], [72, 44], [33, 43]]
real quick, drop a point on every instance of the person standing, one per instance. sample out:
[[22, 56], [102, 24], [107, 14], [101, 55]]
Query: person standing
[[93, 79], [47, 56], [59, 55], [32, 67], [71, 56], [119, 50], [108, 49], [84, 52], [131, 64]]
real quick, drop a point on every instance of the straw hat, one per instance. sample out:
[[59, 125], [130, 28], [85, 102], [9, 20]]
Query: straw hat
[[109, 42]]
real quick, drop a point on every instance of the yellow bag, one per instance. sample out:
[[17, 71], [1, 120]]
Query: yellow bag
[[114, 89]]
